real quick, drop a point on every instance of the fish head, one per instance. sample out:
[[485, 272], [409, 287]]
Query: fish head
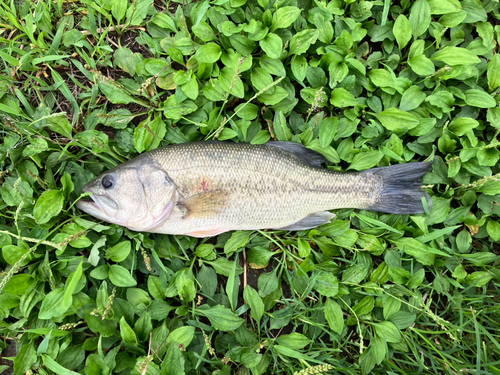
[[138, 195]]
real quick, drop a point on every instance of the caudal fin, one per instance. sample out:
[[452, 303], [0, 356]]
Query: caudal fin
[[401, 191]]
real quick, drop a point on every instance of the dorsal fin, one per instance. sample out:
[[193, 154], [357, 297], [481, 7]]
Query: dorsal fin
[[308, 156]]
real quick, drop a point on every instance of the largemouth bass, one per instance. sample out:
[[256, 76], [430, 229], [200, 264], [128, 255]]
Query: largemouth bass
[[206, 188]]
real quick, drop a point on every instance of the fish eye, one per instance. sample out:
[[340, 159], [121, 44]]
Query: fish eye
[[107, 181]]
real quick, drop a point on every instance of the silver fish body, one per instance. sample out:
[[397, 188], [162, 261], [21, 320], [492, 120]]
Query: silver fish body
[[206, 188]]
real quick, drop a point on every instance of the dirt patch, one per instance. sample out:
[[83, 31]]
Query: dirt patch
[[9, 351]]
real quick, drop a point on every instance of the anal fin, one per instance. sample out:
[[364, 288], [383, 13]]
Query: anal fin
[[311, 221], [206, 233]]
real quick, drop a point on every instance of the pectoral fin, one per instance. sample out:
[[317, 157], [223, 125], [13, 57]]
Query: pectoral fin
[[205, 204], [311, 221]]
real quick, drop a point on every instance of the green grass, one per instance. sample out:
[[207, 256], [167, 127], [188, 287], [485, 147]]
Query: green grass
[[87, 85]]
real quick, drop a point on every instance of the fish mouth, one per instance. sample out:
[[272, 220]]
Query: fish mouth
[[94, 205]]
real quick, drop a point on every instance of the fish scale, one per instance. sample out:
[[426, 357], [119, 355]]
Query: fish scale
[[221, 186]]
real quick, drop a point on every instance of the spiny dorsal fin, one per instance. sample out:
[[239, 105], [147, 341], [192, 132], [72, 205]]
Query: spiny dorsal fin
[[205, 204], [308, 156]]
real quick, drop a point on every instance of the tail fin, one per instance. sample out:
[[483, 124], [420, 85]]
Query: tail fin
[[401, 191]]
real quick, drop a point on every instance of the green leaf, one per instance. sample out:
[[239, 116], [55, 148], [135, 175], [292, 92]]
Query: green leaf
[[119, 252], [301, 41], [71, 285], [394, 119], [127, 333], [299, 67], [479, 98], [327, 284], [221, 318], [420, 18], [284, 17], [342, 98], [422, 253], [412, 98], [232, 285], [119, 276], [421, 65], [493, 73], [325, 28], [247, 111], [327, 131], [208, 53], [174, 362], [119, 9], [493, 229], [402, 31], [334, 316], [181, 336], [255, 302], [56, 367], [148, 135], [48, 205], [53, 304], [24, 359], [366, 160], [444, 6], [237, 240], [388, 331], [456, 56], [272, 45], [281, 128], [294, 340], [463, 125]]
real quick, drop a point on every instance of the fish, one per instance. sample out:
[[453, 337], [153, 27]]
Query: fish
[[202, 189]]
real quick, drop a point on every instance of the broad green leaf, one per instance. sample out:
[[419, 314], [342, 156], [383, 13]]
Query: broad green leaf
[[327, 284], [127, 333], [456, 56], [420, 18], [119, 9], [493, 73], [272, 45], [301, 41], [71, 285], [479, 98], [221, 318], [237, 240], [284, 17], [342, 98], [48, 205], [148, 135], [394, 119], [421, 65], [281, 128], [388, 331], [334, 316], [463, 125], [255, 302], [119, 276], [295, 340], [182, 335], [402, 31], [208, 53], [53, 304], [299, 67], [444, 6], [412, 98], [366, 160], [119, 252]]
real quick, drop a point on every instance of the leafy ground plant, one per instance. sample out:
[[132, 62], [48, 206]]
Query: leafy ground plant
[[86, 85]]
